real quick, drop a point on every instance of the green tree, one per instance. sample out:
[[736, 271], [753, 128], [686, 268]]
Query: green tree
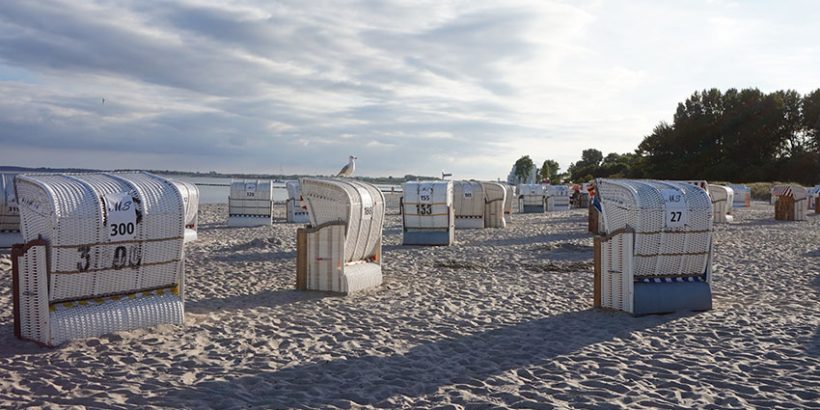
[[523, 167], [587, 167], [591, 157], [811, 118], [736, 135], [549, 170]]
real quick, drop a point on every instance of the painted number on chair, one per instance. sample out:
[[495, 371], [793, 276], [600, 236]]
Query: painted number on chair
[[250, 189], [122, 216], [425, 194], [101, 257], [675, 212]]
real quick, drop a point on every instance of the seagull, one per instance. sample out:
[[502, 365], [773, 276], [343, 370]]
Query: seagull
[[348, 169]]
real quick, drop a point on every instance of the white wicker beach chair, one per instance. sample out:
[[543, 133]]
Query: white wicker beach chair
[[790, 202], [190, 197], [468, 199], [9, 212], [532, 198], [103, 253], [557, 197], [743, 196], [508, 202], [654, 251], [341, 249], [722, 200], [495, 197], [814, 198], [296, 213], [428, 216], [250, 203]]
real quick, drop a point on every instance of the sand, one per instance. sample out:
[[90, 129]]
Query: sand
[[502, 319]]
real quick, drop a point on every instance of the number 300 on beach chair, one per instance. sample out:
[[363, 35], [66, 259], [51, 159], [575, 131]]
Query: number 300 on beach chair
[[103, 253]]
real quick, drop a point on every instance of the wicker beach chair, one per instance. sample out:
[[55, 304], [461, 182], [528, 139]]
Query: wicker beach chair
[[103, 253], [250, 203], [508, 202], [722, 202], [340, 251], [653, 252], [468, 200], [495, 196], [428, 216], [557, 197], [814, 198], [190, 197], [296, 213], [532, 198], [9, 212], [743, 196], [790, 202]]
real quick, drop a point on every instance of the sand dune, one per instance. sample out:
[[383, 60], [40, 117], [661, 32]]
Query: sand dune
[[501, 319]]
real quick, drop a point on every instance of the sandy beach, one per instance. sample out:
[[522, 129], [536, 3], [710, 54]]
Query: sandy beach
[[501, 319]]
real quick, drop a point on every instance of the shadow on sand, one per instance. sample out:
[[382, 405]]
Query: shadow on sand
[[530, 240], [423, 370]]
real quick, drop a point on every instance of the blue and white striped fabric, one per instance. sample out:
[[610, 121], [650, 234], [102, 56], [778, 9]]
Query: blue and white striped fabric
[[672, 280]]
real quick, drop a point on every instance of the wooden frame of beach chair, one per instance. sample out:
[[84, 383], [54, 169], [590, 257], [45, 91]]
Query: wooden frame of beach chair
[[654, 253], [428, 214], [9, 212], [722, 202], [789, 202], [532, 199], [103, 253], [469, 203], [250, 203], [495, 197], [592, 219], [340, 251], [294, 211], [190, 197]]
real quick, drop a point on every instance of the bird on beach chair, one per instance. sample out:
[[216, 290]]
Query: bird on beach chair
[[348, 169]]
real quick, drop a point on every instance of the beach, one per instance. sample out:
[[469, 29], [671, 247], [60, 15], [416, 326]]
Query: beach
[[501, 319]]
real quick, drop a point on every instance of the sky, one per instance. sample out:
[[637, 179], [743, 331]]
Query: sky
[[410, 87]]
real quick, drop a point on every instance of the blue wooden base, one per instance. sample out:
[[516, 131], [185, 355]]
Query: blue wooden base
[[533, 209], [651, 298], [442, 238]]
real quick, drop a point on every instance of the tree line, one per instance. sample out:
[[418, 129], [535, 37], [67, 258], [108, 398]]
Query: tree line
[[738, 135], [549, 170]]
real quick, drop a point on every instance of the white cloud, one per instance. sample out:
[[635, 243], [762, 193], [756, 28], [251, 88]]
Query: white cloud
[[409, 87]]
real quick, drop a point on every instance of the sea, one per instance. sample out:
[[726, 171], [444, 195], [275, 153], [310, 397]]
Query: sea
[[215, 190]]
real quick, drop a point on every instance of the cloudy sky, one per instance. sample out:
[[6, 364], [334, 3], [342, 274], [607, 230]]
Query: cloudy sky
[[409, 87]]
